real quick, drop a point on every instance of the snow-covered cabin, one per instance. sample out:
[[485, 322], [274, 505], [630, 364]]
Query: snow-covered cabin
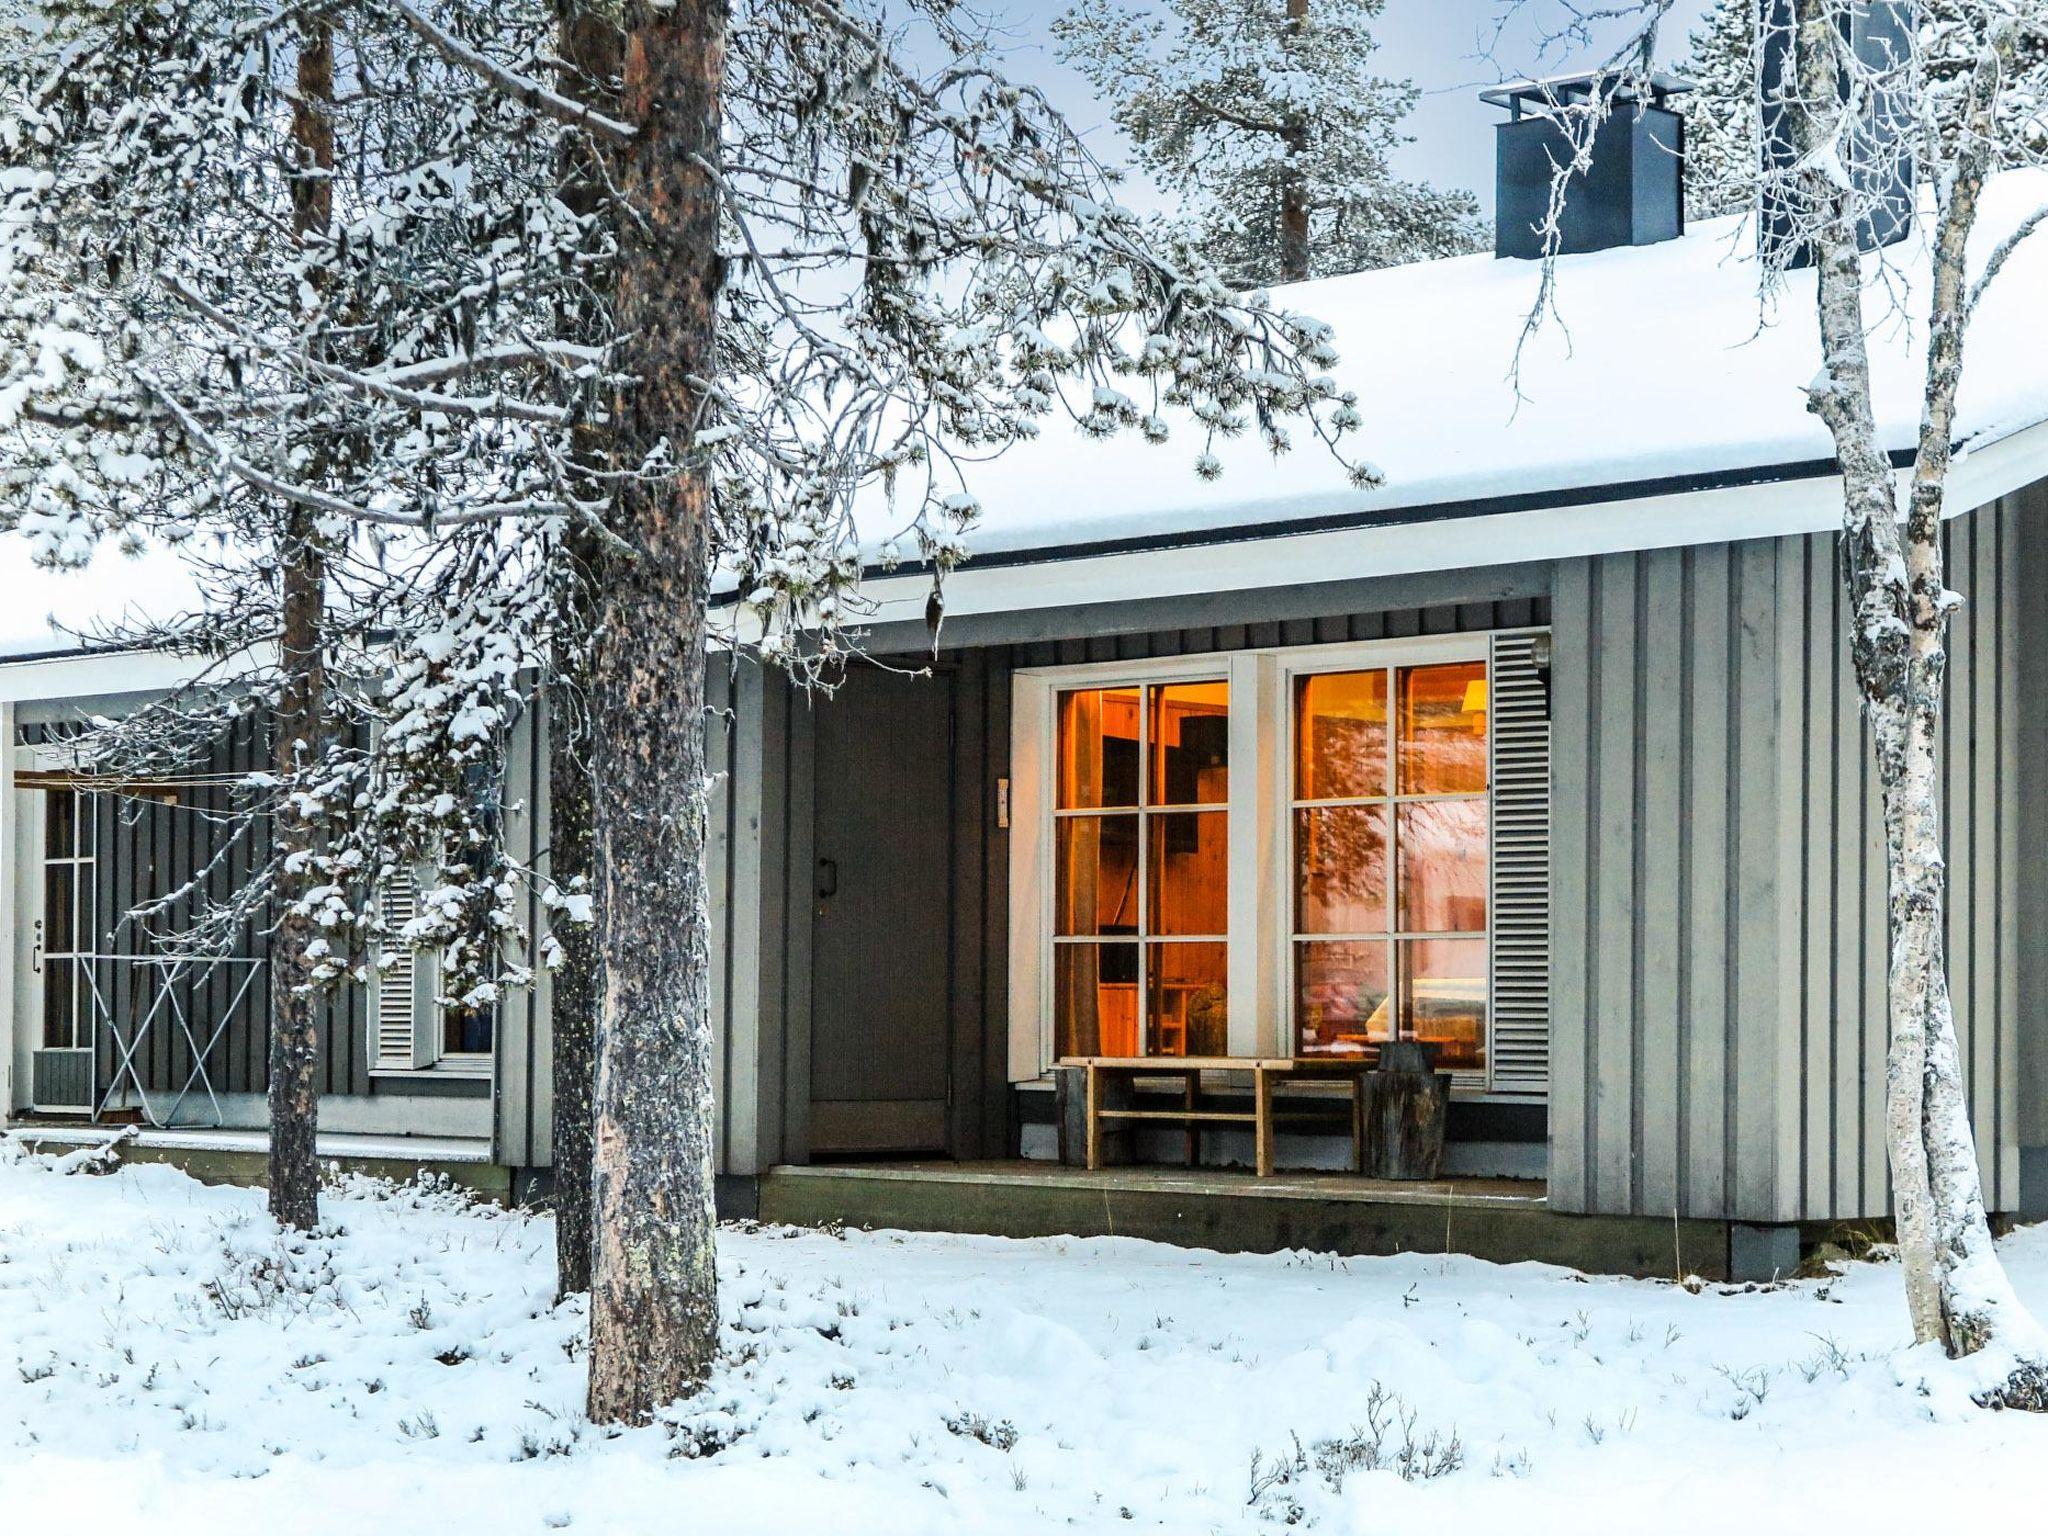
[[1546, 752]]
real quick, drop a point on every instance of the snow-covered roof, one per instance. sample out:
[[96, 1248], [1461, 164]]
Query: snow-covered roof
[[46, 612], [1659, 364], [1659, 375]]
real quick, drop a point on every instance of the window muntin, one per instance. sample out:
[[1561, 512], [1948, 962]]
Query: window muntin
[[1391, 864], [1141, 870]]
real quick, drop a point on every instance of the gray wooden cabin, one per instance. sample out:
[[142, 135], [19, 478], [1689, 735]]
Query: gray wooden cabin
[[1664, 1000], [1641, 840], [1714, 1020], [1711, 1029]]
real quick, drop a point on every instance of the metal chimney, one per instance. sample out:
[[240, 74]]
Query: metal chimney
[[1632, 189], [1880, 36]]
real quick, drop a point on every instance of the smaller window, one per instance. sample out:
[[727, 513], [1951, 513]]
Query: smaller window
[[1391, 828], [69, 891], [468, 1031], [1141, 875]]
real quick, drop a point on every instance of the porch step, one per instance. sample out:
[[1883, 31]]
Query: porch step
[[1503, 1220]]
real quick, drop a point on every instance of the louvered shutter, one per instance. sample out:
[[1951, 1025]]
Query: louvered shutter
[[1519, 1052], [397, 1038]]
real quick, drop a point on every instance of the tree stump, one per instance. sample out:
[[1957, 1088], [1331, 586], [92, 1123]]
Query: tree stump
[[1407, 1108]]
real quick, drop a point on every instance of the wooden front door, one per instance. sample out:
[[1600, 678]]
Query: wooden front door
[[880, 911]]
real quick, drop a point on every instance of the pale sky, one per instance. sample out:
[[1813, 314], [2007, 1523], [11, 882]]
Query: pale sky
[[1440, 44]]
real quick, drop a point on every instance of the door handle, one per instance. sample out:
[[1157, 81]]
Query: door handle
[[35, 953], [828, 878]]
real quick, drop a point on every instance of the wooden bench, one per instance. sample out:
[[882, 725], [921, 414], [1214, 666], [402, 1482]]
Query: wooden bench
[[1266, 1072]]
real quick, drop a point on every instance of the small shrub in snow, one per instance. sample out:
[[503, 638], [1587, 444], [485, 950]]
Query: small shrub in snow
[[1751, 1386], [1829, 1356], [424, 1191], [703, 1435], [540, 1443], [1388, 1441], [999, 1434], [261, 1280]]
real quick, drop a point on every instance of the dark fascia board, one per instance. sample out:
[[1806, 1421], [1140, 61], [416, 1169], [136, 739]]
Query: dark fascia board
[[1432, 512], [64, 653]]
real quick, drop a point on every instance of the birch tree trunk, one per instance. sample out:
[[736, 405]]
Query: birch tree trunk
[[1956, 1291], [653, 1300], [294, 1101]]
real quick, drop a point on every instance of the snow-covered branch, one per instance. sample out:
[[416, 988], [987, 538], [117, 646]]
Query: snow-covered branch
[[520, 87]]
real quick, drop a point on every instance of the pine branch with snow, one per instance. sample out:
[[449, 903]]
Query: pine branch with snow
[[338, 385]]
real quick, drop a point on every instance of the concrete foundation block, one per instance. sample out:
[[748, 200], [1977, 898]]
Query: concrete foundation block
[[1762, 1252]]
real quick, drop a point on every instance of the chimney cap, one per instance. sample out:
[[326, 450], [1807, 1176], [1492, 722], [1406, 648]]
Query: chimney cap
[[1540, 96]]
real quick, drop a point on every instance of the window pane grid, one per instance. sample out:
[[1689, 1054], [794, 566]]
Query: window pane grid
[[1154, 985], [1359, 935], [1348, 800], [69, 891], [1396, 737]]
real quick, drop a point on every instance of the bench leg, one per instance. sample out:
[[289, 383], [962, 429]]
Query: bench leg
[[1094, 1120], [1262, 1123]]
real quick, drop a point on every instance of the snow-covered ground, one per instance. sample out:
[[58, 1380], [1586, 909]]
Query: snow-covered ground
[[171, 1367]]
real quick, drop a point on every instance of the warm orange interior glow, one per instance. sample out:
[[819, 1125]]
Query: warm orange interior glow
[[1142, 895], [1383, 951]]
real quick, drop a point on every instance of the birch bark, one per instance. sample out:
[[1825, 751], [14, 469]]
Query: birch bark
[[1956, 1291]]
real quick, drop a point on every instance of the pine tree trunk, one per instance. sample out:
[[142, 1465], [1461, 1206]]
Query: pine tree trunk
[[653, 1299], [294, 1100], [590, 47], [573, 991], [1294, 248]]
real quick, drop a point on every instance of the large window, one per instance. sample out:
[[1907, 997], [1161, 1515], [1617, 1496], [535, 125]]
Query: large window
[[1284, 851], [1390, 860], [1141, 870]]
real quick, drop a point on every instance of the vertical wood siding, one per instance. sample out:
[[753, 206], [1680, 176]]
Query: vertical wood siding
[[1718, 948], [522, 1045], [2026, 839]]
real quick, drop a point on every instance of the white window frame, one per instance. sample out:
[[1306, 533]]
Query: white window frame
[[1370, 656], [1259, 808]]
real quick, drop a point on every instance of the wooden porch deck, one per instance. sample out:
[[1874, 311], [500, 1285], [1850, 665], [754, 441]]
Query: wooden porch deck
[[1504, 1220]]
